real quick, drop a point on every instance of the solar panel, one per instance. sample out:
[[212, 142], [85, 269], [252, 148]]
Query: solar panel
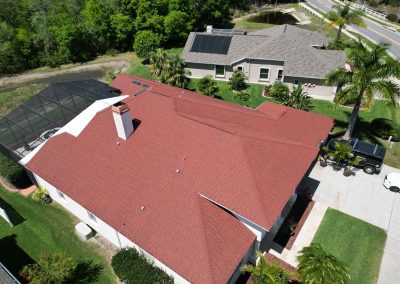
[[229, 31], [211, 44]]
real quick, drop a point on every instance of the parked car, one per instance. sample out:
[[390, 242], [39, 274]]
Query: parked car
[[371, 156], [392, 182]]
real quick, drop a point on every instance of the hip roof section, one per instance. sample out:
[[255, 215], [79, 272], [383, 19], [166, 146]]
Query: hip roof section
[[186, 147], [289, 44]]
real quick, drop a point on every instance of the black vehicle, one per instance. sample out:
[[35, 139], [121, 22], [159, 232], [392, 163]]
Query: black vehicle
[[371, 155]]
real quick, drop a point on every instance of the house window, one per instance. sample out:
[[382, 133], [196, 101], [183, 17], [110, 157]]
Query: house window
[[296, 82], [280, 75], [240, 68], [92, 217], [62, 196], [264, 74], [219, 71]]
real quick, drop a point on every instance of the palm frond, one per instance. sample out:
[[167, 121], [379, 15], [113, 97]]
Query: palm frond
[[339, 76], [386, 89]]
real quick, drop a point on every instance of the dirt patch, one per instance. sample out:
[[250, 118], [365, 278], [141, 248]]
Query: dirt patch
[[84, 71]]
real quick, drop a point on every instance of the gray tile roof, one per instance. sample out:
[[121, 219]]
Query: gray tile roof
[[286, 43], [6, 277]]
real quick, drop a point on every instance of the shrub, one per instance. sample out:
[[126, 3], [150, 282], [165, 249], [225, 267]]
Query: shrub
[[384, 128], [392, 17], [278, 89], [146, 42], [132, 267], [207, 86], [238, 81], [50, 268], [10, 170]]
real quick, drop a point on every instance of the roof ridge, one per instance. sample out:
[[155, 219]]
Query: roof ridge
[[200, 198], [274, 140], [202, 122], [258, 189]]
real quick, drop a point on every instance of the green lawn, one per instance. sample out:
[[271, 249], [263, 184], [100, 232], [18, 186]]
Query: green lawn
[[11, 99], [355, 242], [46, 228]]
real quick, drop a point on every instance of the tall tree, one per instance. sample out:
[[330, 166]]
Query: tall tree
[[369, 77], [345, 16], [316, 266], [266, 273]]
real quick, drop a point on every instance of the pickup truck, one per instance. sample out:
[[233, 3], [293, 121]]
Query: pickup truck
[[371, 155]]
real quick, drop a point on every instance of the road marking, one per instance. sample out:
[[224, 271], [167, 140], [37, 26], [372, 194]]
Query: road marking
[[383, 35]]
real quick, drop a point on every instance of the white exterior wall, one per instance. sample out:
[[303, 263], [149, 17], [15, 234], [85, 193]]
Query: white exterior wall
[[102, 228], [251, 68], [320, 89]]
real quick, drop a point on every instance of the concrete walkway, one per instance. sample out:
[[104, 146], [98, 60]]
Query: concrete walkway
[[364, 196], [305, 236]]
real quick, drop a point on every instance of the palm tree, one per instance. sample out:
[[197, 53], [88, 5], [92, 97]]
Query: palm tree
[[174, 72], [243, 97], [266, 273], [316, 266], [296, 99], [157, 60], [345, 16], [369, 77]]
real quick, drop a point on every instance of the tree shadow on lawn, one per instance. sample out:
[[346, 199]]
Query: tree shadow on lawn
[[13, 257], [14, 216], [361, 130], [86, 272]]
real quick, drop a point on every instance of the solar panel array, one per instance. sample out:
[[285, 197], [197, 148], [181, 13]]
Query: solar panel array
[[30, 124], [229, 31], [213, 44]]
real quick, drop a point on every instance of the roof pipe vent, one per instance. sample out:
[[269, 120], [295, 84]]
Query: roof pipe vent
[[209, 29], [123, 120]]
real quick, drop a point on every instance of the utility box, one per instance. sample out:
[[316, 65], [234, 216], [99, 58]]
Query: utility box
[[84, 231]]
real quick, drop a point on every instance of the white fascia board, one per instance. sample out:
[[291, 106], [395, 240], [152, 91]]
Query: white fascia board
[[78, 124]]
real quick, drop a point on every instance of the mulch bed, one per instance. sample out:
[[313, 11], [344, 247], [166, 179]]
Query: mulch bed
[[299, 213], [300, 224]]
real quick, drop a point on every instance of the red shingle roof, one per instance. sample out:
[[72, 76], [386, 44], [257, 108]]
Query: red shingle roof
[[248, 161]]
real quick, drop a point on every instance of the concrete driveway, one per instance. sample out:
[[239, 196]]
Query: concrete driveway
[[364, 196]]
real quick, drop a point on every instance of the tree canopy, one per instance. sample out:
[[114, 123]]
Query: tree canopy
[[53, 32], [369, 77]]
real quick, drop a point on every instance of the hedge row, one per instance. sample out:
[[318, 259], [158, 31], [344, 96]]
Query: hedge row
[[132, 267], [11, 170], [384, 128]]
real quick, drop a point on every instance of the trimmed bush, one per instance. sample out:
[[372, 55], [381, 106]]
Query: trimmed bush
[[132, 267], [384, 128], [238, 81], [11, 171]]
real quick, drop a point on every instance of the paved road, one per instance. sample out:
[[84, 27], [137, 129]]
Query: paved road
[[372, 31]]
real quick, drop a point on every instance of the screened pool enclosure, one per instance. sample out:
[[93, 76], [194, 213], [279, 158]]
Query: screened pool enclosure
[[34, 121]]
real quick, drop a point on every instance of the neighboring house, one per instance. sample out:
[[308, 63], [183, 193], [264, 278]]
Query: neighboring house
[[282, 53], [6, 276], [194, 183]]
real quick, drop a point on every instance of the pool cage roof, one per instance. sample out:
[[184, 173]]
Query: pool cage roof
[[34, 121]]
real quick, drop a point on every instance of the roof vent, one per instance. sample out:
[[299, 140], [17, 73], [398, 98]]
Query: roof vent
[[209, 29], [123, 120]]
